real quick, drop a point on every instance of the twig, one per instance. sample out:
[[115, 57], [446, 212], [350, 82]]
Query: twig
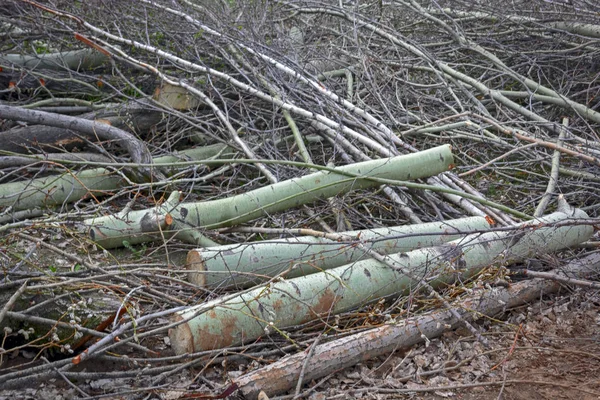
[[558, 278], [553, 181], [77, 388], [12, 300], [305, 365]]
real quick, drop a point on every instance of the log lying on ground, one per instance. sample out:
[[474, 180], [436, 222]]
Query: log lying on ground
[[278, 305], [245, 265], [53, 72], [222, 151], [134, 227], [138, 116], [59, 189], [70, 187], [19, 161], [338, 354]]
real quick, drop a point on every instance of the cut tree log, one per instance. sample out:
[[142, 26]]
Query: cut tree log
[[273, 307], [111, 231], [338, 354], [175, 97], [138, 117], [19, 161], [69, 187], [57, 189], [244, 265]]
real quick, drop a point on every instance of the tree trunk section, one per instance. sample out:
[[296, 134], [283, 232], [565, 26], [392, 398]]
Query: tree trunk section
[[243, 265]]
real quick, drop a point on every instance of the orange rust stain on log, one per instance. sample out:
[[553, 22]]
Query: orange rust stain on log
[[223, 338], [278, 305], [325, 303]]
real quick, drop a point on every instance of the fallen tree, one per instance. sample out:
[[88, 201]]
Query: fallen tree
[[54, 190], [247, 264], [137, 150], [83, 59], [136, 117], [43, 193]]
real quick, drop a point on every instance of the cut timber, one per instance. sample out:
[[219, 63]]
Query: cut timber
[[338, 354], [111, 231], [138, 117], [69, 187], [249, 264], [273, 307], [59, 189], [175, 97]]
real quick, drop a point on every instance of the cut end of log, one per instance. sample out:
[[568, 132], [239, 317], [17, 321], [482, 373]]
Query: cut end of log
[[176, 97], [94, 234], [195, 264], [182, 340]]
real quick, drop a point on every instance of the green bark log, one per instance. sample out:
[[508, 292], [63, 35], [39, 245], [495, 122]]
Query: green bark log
[[246, 317], [70, 187], [139, 226], [58, 189], [245, 265], [282, 375]]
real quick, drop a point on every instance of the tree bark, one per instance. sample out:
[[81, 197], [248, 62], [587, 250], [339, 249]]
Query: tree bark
[[137, 149], [53, 190], [83, 59], [110, 231], [244, 265], [68, 187]]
